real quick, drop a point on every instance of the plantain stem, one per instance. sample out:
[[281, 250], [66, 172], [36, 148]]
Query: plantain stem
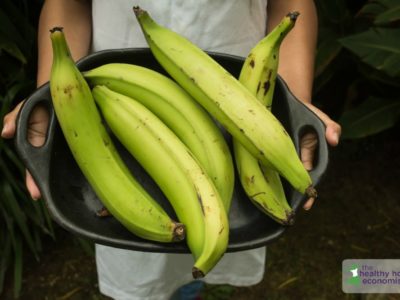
[[179, 232], [57, 28], [197, 273], [138, 11], [293, 15], [311, 192]]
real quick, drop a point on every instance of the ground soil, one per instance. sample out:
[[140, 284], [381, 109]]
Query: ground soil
[[356, 216]]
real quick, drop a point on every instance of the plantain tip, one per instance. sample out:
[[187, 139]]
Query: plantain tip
[[293, 15], [55, 29], [179, 232], [197, 273], [311, 192], [290, 216], [137, 10]]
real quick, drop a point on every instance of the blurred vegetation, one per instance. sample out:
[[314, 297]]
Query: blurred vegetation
[[358, 64], [357, 82], [23, 222]]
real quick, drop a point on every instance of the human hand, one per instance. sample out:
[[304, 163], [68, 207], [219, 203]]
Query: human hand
[[37, 128], [309, 143]]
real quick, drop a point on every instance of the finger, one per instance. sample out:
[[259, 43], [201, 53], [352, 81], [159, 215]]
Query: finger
[[32, 187], [38, 123], [333, 129], [9, 122], [308, 144], [309, 203], [332, 133]]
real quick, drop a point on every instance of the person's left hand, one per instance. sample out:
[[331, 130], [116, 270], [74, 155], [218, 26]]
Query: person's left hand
[[309, 143]]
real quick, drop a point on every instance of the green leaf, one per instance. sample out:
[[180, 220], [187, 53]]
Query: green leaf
[[87, 245], [374, 7], [390, 16], [18, 13], [333, 11], [9, 31], [379, 48], [49, 221], [372, 116], [5, 258], [12, 49], [18, 215], [327, 51], [383, 11], [18, 267]]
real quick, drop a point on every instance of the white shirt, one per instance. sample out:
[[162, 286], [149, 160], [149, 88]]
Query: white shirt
[[232, 27]]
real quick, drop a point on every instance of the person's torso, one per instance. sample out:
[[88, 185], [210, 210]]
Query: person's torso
[[227, 26]]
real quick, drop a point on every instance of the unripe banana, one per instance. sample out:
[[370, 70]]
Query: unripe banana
[[227, 100], [178, 110], [263, 184], [176, 171], [96, 156], [260, 67]]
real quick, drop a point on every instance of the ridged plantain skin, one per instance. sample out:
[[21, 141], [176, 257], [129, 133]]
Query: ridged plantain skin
[[96, 156], [263, 184], [227, 100], [176, 171], [179, 111]]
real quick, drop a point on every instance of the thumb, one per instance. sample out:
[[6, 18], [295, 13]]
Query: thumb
[[333, 129]]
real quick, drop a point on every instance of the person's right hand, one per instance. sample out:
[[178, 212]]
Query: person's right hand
[[37, 128]]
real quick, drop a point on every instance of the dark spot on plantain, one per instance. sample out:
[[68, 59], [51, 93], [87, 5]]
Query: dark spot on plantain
[[68, 90], [258, 86], [262, 206], [221, 230], [252, 179], [252, 63], [266, 86], [256, 194], [201, 202]]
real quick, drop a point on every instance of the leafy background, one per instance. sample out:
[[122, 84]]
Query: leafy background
[[356, 82], [358, 64], [22, 222]]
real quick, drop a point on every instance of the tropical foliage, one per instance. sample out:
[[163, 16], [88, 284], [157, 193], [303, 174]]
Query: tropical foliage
[[22, 222], [358, 64], [357, 82]]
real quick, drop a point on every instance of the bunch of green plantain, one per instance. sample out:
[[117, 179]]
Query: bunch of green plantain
[[262, 183], [168, 125]]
